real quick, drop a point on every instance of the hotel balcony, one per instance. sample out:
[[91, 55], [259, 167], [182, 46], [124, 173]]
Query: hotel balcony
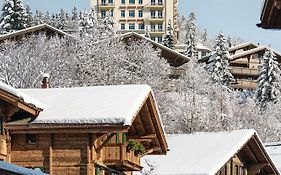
[[156, 19], [244, 71], [156, 32], [140, 31], [106, 6], [159, 5], [118, 157], [245, 84]]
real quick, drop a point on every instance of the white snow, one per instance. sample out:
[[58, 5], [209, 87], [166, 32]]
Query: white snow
[[200, 46], [24, 97], [199, 153], [94, 105], [274, 151]]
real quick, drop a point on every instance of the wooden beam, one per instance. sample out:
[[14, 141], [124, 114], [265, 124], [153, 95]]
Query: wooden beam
[[255, 168], [145, 111], [149, 151], [51, 154], [277, 4], [149, 136], [99, 147], [139, 126]]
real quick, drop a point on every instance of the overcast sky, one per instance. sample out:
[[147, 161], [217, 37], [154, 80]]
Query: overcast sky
[[237, 18]]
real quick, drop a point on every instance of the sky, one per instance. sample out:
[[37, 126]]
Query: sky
[[237, 18]]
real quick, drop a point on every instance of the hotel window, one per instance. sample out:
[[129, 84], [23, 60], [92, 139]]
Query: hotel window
[[123, 26], [160, 27], [140, 2], [159, 39], [153, 38], [122, 13], [103, 2], [131, 13], [152, 27], [132, 26], [123, 2], [141, 26], [160, 14], [131, 1], [140, 13], [103, 13], [153, 2], [152, 13], [110, 1], [160, 2]]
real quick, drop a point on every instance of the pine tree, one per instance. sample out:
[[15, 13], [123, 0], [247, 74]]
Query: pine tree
[[14, 16], [75, 15], [38, 18], [191, 36], [29, 16], [218, 62], [107, 24], [168, 39], [269, 79], [204, 36]]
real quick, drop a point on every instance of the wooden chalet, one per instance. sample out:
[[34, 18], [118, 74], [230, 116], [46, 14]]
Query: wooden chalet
[[86, 130], [271, 15], [238, 152], [41, 28], [245, 64]]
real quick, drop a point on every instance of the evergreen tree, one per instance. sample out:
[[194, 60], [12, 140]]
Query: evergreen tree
[[14, 16], [269, 79], [204, 36], [191, 36], [29, 16], [218, 62], [168, 39], [63, 20], [75, 15], [107, 24], [229, 41], [38, 18]]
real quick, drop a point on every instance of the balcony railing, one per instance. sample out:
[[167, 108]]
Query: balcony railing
[[117, 156], [244, 71]]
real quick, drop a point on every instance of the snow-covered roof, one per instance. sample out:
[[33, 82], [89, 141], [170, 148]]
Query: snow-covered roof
[[274, 150], [11, 168], [200, 46], [22, 96], [32, 29], [117, 104], [243, 45], [252, 51], [199, 153], [176, 55]]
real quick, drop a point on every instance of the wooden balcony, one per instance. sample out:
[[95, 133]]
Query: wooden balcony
[[244, 71], [3, 147], [116, 156]]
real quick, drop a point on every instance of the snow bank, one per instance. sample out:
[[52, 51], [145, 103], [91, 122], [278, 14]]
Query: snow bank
[[274, 150]]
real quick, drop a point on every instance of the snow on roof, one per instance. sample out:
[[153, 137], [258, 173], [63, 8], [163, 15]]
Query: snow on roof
[[90, 105], [24, 97], [239, 46], [200, 46], [19, 170], [274, 150], [32, 29], [199, 153]]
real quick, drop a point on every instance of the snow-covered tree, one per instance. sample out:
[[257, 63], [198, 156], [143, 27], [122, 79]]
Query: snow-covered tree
[[168, 38], [29, 16], [218, 62], [191, 36], [13, 17], [269, 79], [107, 24], [38, 18]]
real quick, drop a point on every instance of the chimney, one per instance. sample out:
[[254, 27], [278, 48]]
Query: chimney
[[45, 81]]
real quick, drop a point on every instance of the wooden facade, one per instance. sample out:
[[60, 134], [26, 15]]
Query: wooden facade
[[78, 148], [271, 15]]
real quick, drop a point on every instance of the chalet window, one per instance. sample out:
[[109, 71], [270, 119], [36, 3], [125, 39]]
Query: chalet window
[[31, 138]]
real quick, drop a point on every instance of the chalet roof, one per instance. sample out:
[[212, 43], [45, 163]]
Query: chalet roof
[[274, 150], [22, 97], [270, 15], [203, 153], [174, 58], [90, 105], [43, 27], [243, 45], [255, 50], [11, 168]]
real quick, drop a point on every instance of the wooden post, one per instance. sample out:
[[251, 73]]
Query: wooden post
[[51, 155], [89, 155]]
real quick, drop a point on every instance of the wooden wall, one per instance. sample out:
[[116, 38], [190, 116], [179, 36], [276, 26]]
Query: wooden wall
[[54, 153]]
